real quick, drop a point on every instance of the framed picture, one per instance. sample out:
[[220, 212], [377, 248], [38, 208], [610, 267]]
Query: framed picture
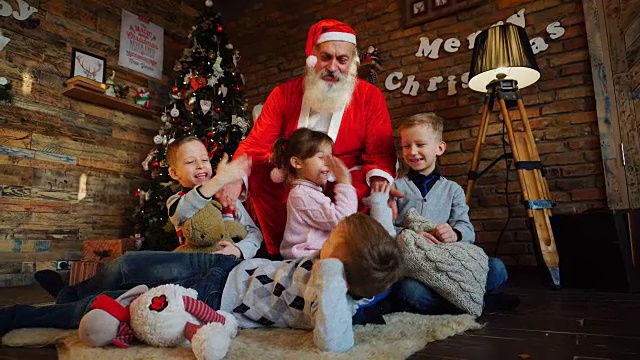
[[416, 12], [88, 65]]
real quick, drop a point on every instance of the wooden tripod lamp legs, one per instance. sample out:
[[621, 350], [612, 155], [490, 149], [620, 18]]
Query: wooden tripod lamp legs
[[533, 186]]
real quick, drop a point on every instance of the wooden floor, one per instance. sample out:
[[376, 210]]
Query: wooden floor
[[565, 324]]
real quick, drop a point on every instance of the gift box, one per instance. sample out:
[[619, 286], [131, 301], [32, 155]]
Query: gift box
[[84, 269], [107, 248]]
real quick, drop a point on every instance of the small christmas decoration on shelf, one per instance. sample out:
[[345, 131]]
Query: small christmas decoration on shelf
[[117, 90], [370, 63], [143, 98], [5, 91]]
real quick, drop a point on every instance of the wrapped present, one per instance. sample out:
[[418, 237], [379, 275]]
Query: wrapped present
[[84, 269], [107, 248]]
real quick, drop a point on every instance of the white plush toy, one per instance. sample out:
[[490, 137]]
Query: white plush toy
[[169, 315]]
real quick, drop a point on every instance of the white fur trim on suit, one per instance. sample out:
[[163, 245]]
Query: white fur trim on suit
[[337, 36], [230, 324]]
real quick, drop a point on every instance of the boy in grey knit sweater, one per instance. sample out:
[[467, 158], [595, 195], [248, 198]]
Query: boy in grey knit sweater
[[438, 199]]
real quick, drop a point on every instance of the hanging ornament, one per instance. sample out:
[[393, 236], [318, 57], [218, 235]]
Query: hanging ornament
[[229, 46], [217, 109], [212, 81], [240, 122], [189, 105], [155, 163], [210, 133], [223, 90], [175, 90], [175, 112], [217, 68], [219, 28], [187, 77], [197, 82], [157, 139], [208, 3], [205, 106], [237, 88], [177, 66], [236, 57], [222, 127], [164, 140], [164, 116], [147, 160]]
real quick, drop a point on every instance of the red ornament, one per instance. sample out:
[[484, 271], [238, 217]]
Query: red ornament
[[138, 193], [175, 90], [217, 109], [209, 133], [237, 88], [197, 82], [156, 163], [219, 28]]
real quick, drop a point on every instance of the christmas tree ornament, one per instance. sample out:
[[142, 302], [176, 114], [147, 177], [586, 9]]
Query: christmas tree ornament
[[175, 112], [187, 78], [197, 82], [217, 109], [157, 139], [222, 90], [155, 163], [236, 57], [229, 46], [212, 81], [177, 66], [240, 122], [164, 116], [217, 68], [164, 140], [175, 90], [208, 3], [205, 106], [210, 133], [219, 28]]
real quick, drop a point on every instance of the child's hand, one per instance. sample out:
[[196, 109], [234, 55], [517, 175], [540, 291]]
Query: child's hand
[[228, 172], [430, 238], [445, 233], [228, 248], [380, 187], [339, 169]]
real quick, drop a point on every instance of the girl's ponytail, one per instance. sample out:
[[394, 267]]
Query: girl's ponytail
[[278, 157]]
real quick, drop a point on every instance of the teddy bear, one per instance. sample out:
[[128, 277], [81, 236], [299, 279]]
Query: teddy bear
[[165, 316], [457, 271], [210, 225]]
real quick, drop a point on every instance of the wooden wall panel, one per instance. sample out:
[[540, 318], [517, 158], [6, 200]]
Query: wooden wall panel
[[68, 169]]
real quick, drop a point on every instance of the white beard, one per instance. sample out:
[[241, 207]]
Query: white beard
[[325, 97]]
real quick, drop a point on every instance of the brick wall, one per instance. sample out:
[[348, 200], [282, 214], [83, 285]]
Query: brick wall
[[69, 169], [271, 37]]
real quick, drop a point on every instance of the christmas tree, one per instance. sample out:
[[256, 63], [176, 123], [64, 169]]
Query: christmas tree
[[206, 101]]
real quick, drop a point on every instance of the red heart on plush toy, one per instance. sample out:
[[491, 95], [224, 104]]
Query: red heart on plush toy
[[158, 303]]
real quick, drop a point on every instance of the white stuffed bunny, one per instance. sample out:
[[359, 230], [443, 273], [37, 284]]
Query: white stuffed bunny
[[169, 315]]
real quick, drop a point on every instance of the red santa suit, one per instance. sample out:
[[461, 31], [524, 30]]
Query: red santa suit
[[363, 141]]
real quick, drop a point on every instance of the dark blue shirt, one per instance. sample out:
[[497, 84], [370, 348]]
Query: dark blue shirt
[[424, 183]]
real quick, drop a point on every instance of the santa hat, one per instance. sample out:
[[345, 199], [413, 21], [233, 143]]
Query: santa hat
[[327, 30]]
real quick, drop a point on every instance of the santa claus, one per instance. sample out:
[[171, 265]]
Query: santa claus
[[329, 98]]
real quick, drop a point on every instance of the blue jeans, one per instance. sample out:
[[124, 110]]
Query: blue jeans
[[205, 273], [413, 296]]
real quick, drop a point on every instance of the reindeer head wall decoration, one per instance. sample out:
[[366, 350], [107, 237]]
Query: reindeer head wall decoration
[[88, 65]]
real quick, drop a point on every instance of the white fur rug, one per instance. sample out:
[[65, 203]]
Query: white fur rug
[[403, 335]]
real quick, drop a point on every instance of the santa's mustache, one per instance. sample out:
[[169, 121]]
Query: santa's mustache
[[334, 74]]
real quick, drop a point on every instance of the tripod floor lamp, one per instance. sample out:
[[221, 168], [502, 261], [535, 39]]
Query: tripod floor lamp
[[502, 63]]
